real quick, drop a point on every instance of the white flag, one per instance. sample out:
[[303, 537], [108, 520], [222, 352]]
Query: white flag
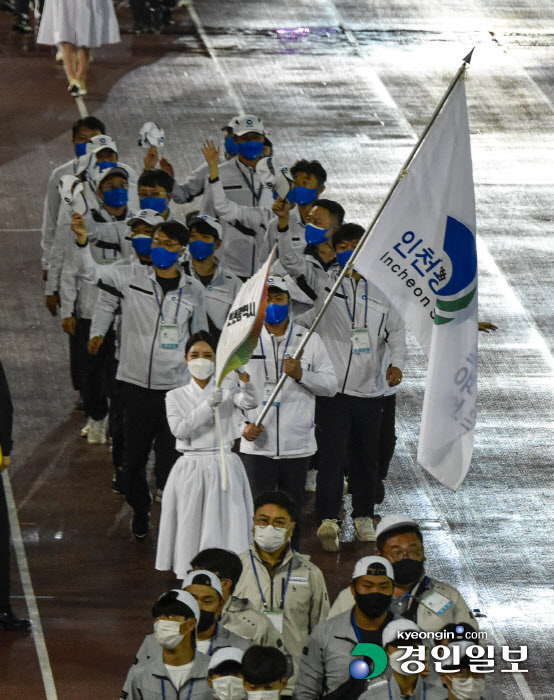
[[422, 255]]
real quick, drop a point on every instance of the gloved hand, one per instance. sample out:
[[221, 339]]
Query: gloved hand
[[215, 398]]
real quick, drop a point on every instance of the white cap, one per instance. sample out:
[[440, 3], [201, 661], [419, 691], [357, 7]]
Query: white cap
[[361, 567], [187, 599], [245, 123], [202, 577], [278, 282], [151, 135], [391, 522], [109, 172], [147, 216], [214, 223], [98, 143], [390, 632], [224, 654]]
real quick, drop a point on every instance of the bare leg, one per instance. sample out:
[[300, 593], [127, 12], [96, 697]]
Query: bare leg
[[69, 53], [83, 60]]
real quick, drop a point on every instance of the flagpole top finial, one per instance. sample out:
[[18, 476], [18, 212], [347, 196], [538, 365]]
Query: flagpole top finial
[[467, 59]]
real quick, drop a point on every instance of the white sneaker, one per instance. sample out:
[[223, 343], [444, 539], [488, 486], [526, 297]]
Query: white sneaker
[[97, 433], [86, 427], [159, 495], [311, 478], [365, 532], [328, 535]]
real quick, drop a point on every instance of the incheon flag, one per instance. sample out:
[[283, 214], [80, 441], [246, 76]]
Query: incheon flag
[[422, 255]]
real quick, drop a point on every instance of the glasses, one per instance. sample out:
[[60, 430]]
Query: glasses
[[168, 245], [410, 553]]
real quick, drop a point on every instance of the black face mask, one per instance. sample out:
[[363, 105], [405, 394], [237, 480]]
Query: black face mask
[[206, 620], [373, 604], [407, 571]]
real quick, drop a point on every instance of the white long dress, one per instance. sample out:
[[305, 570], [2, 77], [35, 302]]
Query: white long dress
[[196, 512], [88, 23]]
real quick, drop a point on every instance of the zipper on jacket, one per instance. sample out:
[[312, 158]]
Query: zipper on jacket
[[276, 358], [353, 326], [154, 341]]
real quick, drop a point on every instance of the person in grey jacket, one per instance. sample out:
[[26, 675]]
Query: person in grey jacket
[[180, 672], [325, 662], [418, 597], [356, 328], [205, 588], [160, 308]]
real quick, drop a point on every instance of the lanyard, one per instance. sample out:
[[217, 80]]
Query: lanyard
[[250, 186], [285, 586], [424, 691], [178, 691], [160, 305], [355, 626], [284, 355], [351, 315]]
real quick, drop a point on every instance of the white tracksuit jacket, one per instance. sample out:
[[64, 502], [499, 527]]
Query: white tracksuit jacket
[[355, 305], [289, 428], [242, 185], [143, 360]]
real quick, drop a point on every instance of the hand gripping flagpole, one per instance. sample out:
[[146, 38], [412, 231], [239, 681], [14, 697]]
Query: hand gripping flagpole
[[348, 269]]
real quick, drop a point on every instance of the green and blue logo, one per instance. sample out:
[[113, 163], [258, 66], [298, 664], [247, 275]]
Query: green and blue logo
[[458, 292], [360, 668]]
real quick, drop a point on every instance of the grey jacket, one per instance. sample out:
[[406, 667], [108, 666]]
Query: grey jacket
[[387, 689], [143, 360], [240, 616], [150, 648], [326, 658], [151, 681], [425, 618]]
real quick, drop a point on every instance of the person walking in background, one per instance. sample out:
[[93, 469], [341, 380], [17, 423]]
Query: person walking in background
[[78, 26]]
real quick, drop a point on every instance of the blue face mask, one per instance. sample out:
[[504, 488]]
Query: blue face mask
[[251, 149], [162, 258], [116, 198], [105, 165], [276, 313], [142, 244], [200, 250], [231, 146], [158, 204], [302, 195], [80, 149], [344, 257], [315, 235]]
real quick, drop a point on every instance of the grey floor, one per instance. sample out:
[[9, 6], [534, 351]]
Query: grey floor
[[354, 92]]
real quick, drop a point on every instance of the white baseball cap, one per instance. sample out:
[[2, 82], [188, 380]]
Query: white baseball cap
[[391, 522], [245, 123], [278, 282], [363, 565], [151, 135], [390, 632], [147, 216], [202, 577], [100, 142], [187, 599], [100, 176], [213, 223], [224, 654]]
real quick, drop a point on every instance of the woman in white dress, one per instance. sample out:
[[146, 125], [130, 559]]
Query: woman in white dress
[[77, 26], [196, 512]]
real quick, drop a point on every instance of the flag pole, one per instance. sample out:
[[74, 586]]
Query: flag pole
[[348, 269]]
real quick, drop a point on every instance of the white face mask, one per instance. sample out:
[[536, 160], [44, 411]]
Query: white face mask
[[468, 688], [167, 633], [229, 688], [263, 694], [396, 665], [269, 538], [201, 368]]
